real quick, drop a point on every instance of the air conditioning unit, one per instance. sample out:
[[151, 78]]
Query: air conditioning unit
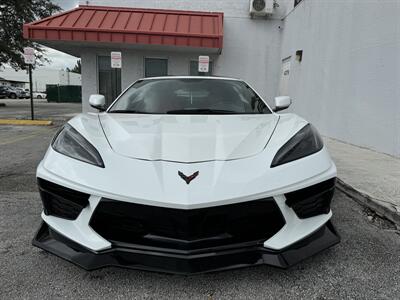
[[261, 8]]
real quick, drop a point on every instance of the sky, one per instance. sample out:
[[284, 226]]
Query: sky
[[66, 4], [60, 60]]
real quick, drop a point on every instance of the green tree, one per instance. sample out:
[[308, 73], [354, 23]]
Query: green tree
[[77, 67], [13, 14]]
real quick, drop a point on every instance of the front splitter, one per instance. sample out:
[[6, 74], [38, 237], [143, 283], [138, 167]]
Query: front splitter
[[207, 260]]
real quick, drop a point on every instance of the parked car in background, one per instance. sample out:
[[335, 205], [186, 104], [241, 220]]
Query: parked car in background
[[21, 93], [39, 95], [3, 92], [13, 92]]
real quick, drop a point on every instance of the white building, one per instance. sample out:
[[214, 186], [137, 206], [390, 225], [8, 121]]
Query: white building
[[41, 77], [14, 83], [337, 59]]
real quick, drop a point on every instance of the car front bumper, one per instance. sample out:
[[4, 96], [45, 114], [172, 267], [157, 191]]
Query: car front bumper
[[174, 234], [94, 232], [208, 260]]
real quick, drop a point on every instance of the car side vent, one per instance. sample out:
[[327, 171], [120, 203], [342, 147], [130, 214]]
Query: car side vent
[[313, 200], [60, 201]]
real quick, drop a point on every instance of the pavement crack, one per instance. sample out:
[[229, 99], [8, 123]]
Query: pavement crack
[[15, 174]]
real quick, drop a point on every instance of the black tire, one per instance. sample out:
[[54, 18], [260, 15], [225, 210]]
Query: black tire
[[13, 96], [39, 97]]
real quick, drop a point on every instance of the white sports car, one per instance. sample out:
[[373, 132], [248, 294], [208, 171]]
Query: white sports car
[[186, 175]]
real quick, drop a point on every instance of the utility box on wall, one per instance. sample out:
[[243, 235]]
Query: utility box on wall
[[261, 8]]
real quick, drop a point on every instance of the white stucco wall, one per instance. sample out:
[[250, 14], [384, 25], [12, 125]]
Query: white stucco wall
[[69, 78], [89, 76], [251, 49], [231, 8], [348, 81]]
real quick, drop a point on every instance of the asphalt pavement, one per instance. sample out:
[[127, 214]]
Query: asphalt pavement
[[365, 265], [20, 109]]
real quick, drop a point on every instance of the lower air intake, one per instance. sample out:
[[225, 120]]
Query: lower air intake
[[186, 229], [60, 201], [313, 200]]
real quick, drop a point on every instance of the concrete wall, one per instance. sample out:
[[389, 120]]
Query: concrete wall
[[251, 48], [231, 8], [348, 81], [89, 76], [69, 78]]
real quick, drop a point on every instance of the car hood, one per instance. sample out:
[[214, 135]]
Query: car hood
[[188, 138]]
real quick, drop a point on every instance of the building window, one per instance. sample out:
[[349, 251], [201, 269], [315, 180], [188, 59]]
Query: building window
[[296, 2], [109, 79], [154, 67], [194, 69]]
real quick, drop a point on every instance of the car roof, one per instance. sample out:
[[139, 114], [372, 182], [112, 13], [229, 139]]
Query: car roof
[[191, 77]]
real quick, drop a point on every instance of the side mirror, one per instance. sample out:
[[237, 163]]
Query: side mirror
[[98, 102], [282, 102]]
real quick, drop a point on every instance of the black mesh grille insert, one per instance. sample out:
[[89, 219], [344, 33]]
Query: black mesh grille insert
[[187, 229], [60, 201], [313, 200]]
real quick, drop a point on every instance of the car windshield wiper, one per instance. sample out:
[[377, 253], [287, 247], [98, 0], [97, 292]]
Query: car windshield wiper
[[201, 111], [127, 111]]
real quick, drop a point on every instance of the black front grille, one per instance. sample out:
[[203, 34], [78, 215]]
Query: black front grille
[[122, 222], [60, 201], [313, 200]]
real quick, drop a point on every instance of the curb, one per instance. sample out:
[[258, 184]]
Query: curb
[[26, 122], [381, 208]]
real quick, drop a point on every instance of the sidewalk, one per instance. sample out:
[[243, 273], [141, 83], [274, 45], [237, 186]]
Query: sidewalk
[[369, 177]]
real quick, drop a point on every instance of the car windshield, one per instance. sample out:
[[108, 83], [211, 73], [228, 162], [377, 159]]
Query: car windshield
[[190, 96]]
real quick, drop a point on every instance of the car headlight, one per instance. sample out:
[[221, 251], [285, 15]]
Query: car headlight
[[71, 143], [305, 142]]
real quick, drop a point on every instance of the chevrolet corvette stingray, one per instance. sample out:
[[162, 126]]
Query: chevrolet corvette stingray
[[186, 175]]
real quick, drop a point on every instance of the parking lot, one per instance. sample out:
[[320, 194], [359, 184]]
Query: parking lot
[[364, 265], [20, 109]]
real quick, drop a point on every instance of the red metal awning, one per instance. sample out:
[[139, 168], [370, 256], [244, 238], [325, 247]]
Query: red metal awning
[[100, 24]]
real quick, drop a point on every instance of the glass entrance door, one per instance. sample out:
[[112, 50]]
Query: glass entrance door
[[109, 79]]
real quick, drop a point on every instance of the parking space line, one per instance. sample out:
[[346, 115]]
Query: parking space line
[[25, 122]]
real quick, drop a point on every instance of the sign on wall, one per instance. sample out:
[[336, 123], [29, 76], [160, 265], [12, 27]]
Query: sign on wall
[[29, 55], [285, 75], [204, 62], [116, 60]]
